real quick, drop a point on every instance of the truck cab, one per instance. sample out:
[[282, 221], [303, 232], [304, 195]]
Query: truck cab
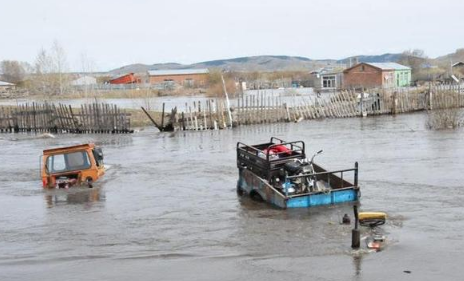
[[70, 166]]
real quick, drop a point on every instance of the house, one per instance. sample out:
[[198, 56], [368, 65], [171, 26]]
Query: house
[[458, 69], [184, 77], [5, 86], [129, 78], [84, 81], [377, 75], [327, 79]]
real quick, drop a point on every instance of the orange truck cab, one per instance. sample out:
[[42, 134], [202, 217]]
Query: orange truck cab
[[74, 165]]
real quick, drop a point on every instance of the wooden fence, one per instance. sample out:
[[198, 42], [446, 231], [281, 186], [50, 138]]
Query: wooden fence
[[262, 108], [211, 114], [89, 118]]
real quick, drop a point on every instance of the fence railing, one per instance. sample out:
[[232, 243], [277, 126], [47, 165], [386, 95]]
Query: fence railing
[[263, 108], [89, 118]]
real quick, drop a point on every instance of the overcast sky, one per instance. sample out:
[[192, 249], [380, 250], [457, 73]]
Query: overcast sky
[[114, 33]]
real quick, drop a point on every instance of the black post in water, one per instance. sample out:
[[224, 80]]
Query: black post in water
[[355, 234], [162, 118]]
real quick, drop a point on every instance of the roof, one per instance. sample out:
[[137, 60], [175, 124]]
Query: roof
[[334, 72], [458, 64], [84, 80], [68, 148], [6, 84], [117, 76], [381, 66], [327, 71], [389, 65], [177, 72]]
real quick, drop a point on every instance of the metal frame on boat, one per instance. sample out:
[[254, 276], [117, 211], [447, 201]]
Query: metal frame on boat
[[279, 173]]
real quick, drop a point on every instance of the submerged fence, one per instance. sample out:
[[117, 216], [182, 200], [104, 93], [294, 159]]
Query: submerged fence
[[89, 118], [264, 108], [218, 113]]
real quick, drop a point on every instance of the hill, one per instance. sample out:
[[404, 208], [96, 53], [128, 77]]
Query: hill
[[256, 63], [449, 59], [378, 58]]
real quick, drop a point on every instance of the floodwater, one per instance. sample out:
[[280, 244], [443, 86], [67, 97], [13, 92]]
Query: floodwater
[[290, 96], [167, 209]]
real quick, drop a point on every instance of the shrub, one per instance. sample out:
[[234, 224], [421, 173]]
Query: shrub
[[441, 119]]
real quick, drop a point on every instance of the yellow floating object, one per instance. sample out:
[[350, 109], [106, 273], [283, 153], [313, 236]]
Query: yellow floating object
[[372, 218]]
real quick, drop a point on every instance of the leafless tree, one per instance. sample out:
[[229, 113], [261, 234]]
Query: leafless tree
[[419, 63], [12, 71], [215, 86], [60, 63], [50, 70], [413, 58], [441, 119], [88, 66], [43, 71]]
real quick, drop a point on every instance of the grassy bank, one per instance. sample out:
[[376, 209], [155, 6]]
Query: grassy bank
[[140, 119]]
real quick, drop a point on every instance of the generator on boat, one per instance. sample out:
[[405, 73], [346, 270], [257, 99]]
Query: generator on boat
[[279, 172]]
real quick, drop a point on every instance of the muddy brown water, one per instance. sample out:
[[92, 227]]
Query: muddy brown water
[[167, 208]]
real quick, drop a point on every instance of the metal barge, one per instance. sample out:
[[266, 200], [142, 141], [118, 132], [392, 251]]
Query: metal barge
[[279, 173]]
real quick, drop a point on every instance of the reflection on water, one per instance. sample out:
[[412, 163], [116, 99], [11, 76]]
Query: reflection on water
[[75, 195], [357, 262]]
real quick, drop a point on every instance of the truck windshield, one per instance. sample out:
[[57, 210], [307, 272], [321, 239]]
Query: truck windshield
[[73, 161]]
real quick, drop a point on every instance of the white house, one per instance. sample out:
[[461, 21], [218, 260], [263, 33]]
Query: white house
[[84, 81], [6, 86]]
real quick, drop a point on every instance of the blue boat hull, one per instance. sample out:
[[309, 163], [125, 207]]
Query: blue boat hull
[[253, 185], [333, 197]]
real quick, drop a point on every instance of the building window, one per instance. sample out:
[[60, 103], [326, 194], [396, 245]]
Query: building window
[[328, 81], [362, 67]]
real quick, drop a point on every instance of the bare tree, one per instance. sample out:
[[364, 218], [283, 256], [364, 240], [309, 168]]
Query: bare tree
[[87, 64], [87, 67], [413, 58], [50, 70], [215, 86], [417, 60], [12, 71], [43, 71], [60, 63]]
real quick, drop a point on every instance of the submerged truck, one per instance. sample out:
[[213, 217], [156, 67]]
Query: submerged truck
[[279, 173], [65, 167]]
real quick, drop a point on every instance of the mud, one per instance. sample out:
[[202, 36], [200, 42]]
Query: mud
[[167, 209]]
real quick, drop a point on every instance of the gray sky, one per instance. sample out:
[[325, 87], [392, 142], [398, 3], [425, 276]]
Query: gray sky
[[114, 33]]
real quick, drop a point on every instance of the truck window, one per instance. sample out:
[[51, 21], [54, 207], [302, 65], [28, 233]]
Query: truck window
[[68, 162]]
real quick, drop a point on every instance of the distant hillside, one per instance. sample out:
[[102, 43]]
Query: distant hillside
[[452, 58], [256, 63], [378, 58], [262, 63], [141, 68]]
